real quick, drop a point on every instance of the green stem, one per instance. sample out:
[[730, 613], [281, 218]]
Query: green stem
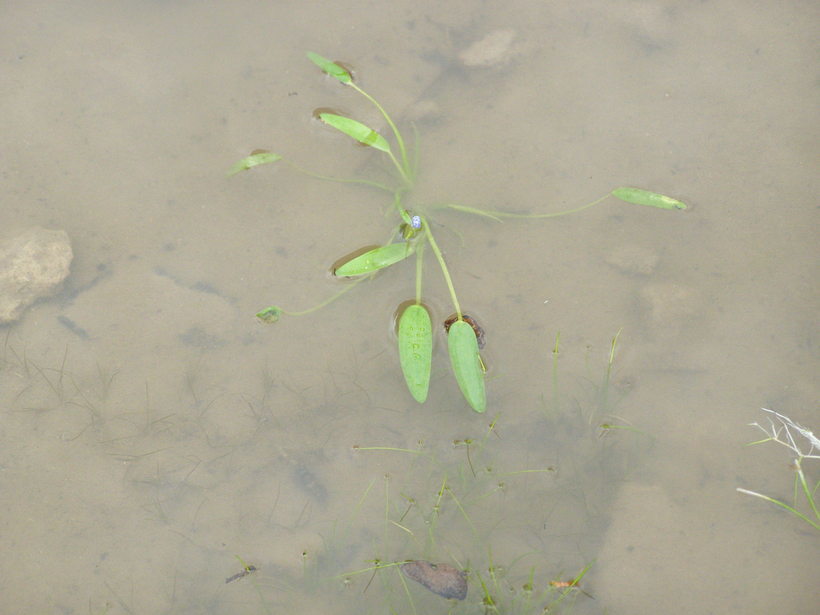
[[419, 267], [402, 172], [490, 213], [340, 180], [333, 298], [405, 168], [608, 376], [403, 214], [442, 265]]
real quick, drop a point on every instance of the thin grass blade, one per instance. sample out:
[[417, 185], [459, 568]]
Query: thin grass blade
[[639, 196], [356, 130], [416, 350], [375, 259], [254, 160], [463, 346], [329, 67]]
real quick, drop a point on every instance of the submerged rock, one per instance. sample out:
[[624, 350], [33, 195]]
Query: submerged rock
[[495, 49], [33, 265], [441, 579]]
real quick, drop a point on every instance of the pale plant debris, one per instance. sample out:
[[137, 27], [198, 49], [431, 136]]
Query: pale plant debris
[[786, 425], [780, 430]]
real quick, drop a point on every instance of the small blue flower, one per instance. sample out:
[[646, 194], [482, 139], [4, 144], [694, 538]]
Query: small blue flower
[[415, 222]]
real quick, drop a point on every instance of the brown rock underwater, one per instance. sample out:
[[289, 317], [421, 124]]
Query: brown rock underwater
[[441, 579]]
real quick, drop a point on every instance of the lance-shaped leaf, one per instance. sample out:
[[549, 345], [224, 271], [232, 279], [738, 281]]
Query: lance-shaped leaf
[[639, 196], [416, 349], [463, 347], [254, 160], [331, 68], [363, 134], [375, 259]]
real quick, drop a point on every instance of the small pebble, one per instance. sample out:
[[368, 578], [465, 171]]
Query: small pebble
[[441, 579]]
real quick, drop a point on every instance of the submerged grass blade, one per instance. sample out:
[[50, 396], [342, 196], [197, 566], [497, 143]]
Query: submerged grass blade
[[356, 130], [254, 160], [782, 505], [466, 362], [416, 350], [375, 259], [639, 196]]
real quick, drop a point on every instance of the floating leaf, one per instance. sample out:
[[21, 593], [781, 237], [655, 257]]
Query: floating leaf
[[416, 349], [331, 68], [639, 196], [375, 259], [256, 158], [479, 330], [467, 367], [363, 134], [269, 314]]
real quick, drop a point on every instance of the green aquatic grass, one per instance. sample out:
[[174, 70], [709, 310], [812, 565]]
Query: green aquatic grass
[[413, 231], [448, 518]]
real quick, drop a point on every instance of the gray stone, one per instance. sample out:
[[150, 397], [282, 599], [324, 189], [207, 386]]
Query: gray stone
[[33, 265]]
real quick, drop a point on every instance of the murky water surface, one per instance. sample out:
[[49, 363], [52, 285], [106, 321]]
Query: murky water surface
[[151, 430]]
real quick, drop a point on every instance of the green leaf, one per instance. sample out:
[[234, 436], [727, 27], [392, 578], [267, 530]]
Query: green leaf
[[639, 196], [467, 367], [255, 159], [375, 259], [416, 350], [270, 314], [331, 68], [363, 134]]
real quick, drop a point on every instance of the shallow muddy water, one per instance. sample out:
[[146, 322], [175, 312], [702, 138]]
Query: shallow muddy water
[[156, 439]]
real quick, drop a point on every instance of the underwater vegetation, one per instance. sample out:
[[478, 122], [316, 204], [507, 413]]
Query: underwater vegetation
[[504, 519], [411, 235]]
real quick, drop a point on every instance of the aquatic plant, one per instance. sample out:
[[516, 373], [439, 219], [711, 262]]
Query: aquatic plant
[[412, 233], [786, 432]]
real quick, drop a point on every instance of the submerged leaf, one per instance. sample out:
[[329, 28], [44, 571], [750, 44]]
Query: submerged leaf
[[466, 362], [329, 67], [375, 259], [416, 350], [639, 196], [363, 134], [255, 159], [270, 314]]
